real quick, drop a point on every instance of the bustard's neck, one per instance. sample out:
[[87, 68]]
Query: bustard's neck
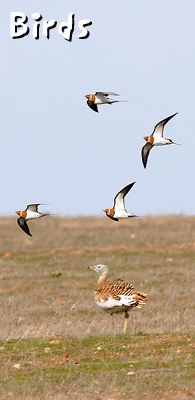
[[103, 279]]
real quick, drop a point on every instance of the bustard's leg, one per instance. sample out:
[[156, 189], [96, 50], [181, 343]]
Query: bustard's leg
[[126, 319], [113, 324]]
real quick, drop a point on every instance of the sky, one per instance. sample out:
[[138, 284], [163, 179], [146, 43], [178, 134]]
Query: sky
[[55, 150]]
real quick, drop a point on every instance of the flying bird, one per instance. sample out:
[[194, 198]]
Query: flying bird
[[31, 212], [117, 296], [156, 139], [94, 100], [118, 211]]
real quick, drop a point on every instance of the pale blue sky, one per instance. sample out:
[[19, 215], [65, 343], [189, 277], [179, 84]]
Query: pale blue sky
[[55, 150]]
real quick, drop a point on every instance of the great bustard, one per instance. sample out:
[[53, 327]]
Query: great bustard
[[117, 296]]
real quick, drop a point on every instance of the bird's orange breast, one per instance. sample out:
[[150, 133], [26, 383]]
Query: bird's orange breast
[[111, 212], [150, 139], [92, 98], [23, 214]]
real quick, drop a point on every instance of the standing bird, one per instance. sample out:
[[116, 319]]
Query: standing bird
[[117, 296], [118, 211], [156, 139], [94, 100], [31, 212]]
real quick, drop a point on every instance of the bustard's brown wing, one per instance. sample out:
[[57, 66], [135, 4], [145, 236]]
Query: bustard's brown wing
[[120, 295]]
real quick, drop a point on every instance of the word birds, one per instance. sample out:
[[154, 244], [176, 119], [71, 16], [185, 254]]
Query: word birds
[[19, 20]]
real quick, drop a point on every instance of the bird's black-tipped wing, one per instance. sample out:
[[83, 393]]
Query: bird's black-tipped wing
[[106, 94], [145, 153], [119, 198], [92, 106], [158, 129], [33, 207], [114, 219], [23, 225]]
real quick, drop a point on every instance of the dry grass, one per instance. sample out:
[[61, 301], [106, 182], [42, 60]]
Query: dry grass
[[46, 291]]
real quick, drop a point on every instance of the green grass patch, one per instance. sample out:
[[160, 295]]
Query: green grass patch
[[62, 360]]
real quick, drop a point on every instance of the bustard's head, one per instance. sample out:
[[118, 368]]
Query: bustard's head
[[100, 268]]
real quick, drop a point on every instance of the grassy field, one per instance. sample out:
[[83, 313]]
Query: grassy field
[[55, 343]]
